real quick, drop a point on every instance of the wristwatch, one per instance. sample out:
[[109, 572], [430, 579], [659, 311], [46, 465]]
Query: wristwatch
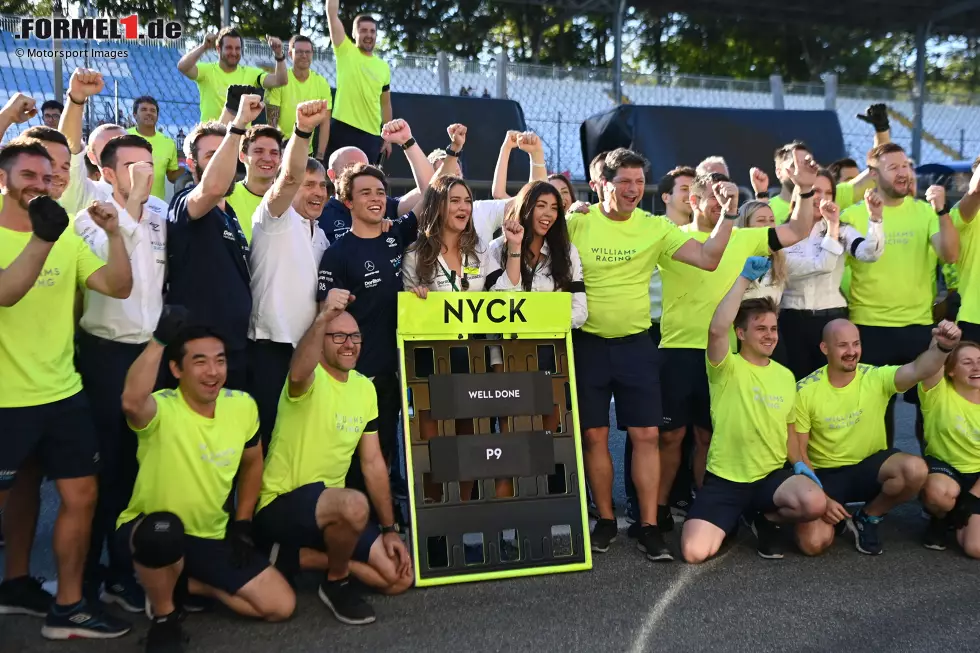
[[389, 529], [409, 143], [451, 152]]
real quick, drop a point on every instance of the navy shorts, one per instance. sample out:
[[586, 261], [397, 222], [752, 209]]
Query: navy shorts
[[856, 483], [207, 561], [721, 502], [895, 346], [624, 368], [966, 481], [61, 434], [290, 521], [687, 399]]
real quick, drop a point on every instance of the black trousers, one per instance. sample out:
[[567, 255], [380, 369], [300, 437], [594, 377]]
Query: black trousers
[[389, 407], [103, 365], [802, 331], [344, 135], [268, 368]]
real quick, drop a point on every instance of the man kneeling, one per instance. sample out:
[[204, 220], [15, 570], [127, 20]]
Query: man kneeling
[[751, 406], [326, 411], [192, 442]]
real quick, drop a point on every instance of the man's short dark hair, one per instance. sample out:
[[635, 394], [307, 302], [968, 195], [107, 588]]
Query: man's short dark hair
[[229, 31], [622, 158], [666, 184], [360, 18], [110, 153], [879, 151], [314, 165], [752, 307], [145, 99], [838, 165], [177, 348], [202, 129], [45, 134], [52, 104], [786, 151], [256, 132], [703, 183], [595, 167], [345, 183], [299, 38], [18, 147]]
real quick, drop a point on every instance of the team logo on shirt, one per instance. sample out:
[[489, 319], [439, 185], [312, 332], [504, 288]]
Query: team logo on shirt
[[219, 459], [339, 224], [369, 266], [774, 402], [349, 423], [609, 255], [964, 429], [835, 422], [391, 242], [47, 277]]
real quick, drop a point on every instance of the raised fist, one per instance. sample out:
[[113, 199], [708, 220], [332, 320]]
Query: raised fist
[[310, 114], [397, 131], [876, 116], [233, 97], [249, 109], [947, 334], [85, 83], [936, 195], [756, 267], [211, 39], [105, 216], [803, 170], [760, 180], [141, 180], [336, 303], [514, 233], [830, 211], [48, 219], [457, 136], [275, 44], [875, 204], [173, 319], [727, 195], [579, 207], [529, 142], [19, 108], [510, 139]]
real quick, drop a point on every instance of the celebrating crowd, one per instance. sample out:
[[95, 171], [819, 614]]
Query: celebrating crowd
[[226, 414]]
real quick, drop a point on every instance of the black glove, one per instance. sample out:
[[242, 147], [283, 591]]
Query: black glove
[[239, 538], [235, 93], [48, 219], [876, 116], [172, 320]]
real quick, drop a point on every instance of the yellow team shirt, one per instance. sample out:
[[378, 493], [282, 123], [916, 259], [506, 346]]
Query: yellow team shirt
[[244, 202], [294, 93], [317, 433], [846, 425], [164, 160], [618, 259], [188, 462], [750, 408], [844, 199], [952, 427], [968, 267], [37, 334], [212, 83], [691, 294], [899, 288], [361, 78]]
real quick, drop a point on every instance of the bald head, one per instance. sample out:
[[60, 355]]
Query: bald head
[[342, 356], [98, 139], [841, 344], [840, 329], [345, 156]]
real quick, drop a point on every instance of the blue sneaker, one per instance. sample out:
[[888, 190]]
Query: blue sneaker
[[82, 621], [865, 529], [126, 593]]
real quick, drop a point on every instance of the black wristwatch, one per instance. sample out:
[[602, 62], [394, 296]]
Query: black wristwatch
[[732, 216], [762, 195], [389, 529], [409, 143], [451, 152], [810, 193]]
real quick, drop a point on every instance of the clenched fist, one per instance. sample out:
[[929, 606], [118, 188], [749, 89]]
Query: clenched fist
[[335, 304], [105, 216], [530, 142], [397, 131], [48, 219], [310, 114], [760, 180], [829, 211], [275, 44], [514, 233], [141, 181], [249, 109], [173, 319], [457, 136], [936, 195], [803, 171], [19, 108], [727, 195], [947, 334], [875, 204], [211, 39], [510, 139], [85, 83]]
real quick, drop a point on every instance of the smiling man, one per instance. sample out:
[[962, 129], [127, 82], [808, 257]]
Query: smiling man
[[146, 111], [262, 155]]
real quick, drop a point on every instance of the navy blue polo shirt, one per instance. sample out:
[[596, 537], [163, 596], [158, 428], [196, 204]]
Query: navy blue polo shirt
[[207, 269], [335, 217], [370, 268]]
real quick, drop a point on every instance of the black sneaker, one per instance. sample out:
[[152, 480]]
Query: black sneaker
[[345, 602], [651, 542], [82, 621], [25, 596], [665, 519], [603, 534], [126, 593], [936, 534], [166, 635], [770, 538], [865, 529]]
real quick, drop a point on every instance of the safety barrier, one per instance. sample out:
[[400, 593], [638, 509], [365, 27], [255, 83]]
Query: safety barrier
[[494, 456]]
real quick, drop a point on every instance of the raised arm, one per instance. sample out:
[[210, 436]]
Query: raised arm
[[803, 173], [399, 132], [220, 171], [708, 254], [188, 63], [48, 221], [947, 241], [290, 178], [138, 403], [721, 322], [310, 347], [115, 278], [281, 76], [970, 204], [877, 116], [499, 190], [513, 237], [867, 248], [19, 109], [928, 366], [760, 184], [334, 24], [532, 144]]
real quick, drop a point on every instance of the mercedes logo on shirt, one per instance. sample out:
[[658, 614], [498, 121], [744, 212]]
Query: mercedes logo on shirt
[[339, 224], [369, 266]]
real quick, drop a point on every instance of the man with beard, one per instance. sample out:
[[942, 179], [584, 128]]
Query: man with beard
[[688, 296], [213, 79], [839, 419], [891, 299], [146, 111], [207, 254], [45, 413], [363, 102], [751, 407], [262, 155]]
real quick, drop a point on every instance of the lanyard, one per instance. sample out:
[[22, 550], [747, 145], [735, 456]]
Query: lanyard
[[451, 276]]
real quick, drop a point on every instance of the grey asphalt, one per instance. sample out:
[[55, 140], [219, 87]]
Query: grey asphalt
[[908, 599]]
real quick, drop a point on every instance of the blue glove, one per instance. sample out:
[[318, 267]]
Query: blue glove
[[756, 267], [801, 469]]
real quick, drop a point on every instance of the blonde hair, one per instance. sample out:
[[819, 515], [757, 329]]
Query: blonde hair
[[745, 213]]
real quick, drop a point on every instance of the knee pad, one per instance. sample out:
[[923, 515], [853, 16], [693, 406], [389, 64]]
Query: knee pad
[[967, 505], [158, 540]]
